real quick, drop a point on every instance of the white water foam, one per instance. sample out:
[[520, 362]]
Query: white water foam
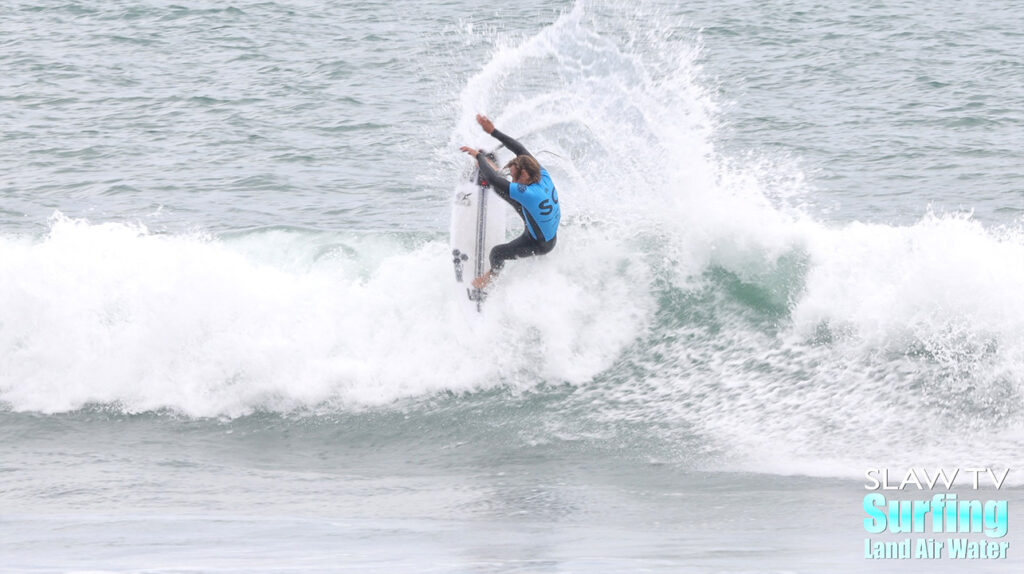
[[110, 313]]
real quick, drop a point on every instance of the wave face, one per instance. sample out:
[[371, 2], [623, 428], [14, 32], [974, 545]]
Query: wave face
[[691, 312]]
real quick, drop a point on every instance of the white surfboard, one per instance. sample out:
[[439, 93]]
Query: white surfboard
[[478, 224]]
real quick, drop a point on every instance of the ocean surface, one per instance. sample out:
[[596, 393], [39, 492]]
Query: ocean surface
[[230, 341]]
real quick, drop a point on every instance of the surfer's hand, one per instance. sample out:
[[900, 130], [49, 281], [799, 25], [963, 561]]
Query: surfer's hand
[[485, 123], [469, 150]]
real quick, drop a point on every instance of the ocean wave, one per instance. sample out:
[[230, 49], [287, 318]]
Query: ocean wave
[[690, 296]]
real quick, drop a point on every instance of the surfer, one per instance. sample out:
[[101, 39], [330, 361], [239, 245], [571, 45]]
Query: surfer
[[531, 193]]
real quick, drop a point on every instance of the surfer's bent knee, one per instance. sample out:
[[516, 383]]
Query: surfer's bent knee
[[522, 246]]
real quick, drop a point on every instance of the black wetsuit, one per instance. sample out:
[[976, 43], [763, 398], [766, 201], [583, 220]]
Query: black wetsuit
[[525, 245]]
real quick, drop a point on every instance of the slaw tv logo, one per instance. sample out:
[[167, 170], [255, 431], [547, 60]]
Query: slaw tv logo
[[943, 525]]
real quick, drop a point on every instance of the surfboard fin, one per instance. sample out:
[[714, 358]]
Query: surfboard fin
[[478, 296]]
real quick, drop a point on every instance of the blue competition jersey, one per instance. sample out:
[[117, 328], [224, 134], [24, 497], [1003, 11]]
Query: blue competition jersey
[[539, 203]]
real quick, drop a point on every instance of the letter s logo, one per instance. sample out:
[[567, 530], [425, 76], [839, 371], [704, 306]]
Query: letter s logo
[[545, 207]]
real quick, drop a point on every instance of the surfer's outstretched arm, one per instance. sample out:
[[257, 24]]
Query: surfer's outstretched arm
[[497, 181], [512, 145], [487, 171]]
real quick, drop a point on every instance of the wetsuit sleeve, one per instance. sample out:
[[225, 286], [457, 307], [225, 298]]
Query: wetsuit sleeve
[[512, 145], [497, 181]]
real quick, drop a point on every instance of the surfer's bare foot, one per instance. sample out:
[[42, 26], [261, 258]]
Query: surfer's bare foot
[[482, 281]]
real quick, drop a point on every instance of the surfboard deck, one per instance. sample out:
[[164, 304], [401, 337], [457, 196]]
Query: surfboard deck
[[478, 224]]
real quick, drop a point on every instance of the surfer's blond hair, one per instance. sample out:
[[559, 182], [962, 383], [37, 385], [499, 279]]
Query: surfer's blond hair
[[528, 164]]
